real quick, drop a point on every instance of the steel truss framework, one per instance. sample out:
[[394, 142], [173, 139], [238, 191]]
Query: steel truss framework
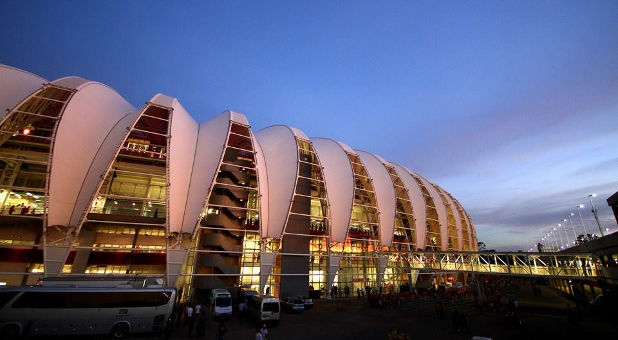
[[550, 265]]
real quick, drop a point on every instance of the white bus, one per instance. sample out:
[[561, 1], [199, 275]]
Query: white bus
[[84, 311]]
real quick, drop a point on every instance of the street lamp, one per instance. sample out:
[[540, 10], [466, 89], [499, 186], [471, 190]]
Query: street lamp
[[581, 219], [559, 235], [572, 226], [566, 236], [594, 211], [555, 239]]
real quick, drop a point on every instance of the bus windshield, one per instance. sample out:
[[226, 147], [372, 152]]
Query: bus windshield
[[271, 307], [223, 301]]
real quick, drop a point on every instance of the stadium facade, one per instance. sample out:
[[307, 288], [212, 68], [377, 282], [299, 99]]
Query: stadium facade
[[90, 185]]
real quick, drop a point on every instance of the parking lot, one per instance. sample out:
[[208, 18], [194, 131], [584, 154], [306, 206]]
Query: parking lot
[[354, 319]]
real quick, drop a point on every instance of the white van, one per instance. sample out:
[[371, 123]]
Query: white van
[[221, 303], [84, 311], [265, 309]]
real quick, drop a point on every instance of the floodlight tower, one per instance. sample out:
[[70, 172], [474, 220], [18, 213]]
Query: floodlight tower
[[594, 212]]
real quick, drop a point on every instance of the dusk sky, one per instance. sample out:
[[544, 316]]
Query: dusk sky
[[510, 106]]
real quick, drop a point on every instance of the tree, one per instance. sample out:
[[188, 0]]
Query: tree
[[482, 246]]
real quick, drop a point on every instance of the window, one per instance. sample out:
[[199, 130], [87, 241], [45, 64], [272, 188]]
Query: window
[[45, 300]]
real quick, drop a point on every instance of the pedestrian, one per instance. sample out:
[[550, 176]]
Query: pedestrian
[[190, 320], [11, 210], [221, 331], [358, 292], [201, 325], [198, 310], [207, 316], [241, 308], [258, 335], [264, 331]]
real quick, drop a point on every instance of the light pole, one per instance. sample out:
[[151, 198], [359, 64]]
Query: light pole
[[566, 236], [581, 219], [572, 226], [559, 235], [594, 211], [555, 239]]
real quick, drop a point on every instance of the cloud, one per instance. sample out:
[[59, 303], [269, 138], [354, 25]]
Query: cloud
[[600, 166], [522, 222]]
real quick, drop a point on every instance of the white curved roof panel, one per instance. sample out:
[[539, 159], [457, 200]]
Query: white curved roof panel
[[339, 181], [183, 141], [298, 133], [102, 159], [440, 209], [385, 195], [89, 116], [238, 117], [415, 194], [73, 82], [262, 174], [346, 148], [15, 86], [280, 150], [455, 215], [211, 141], [163, 100]]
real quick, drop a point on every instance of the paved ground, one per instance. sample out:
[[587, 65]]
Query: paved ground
[[353, 319]]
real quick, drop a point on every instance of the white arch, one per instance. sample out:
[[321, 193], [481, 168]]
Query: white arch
[[385, 195], [15, 85], [440, 209], [280, 151], [260, 165], [415, 194], [339, 180], [211, 143], [183, 142], [456, 216], [84, 143]]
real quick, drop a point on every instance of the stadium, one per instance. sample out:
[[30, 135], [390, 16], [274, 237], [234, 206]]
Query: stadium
[[90, 185]]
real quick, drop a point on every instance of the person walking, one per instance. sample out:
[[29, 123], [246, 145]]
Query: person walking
[[264, 331], [190, 320], [201, 325], [258, 335], [221, 331]]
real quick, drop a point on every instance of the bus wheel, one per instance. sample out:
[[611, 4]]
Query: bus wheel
[[120, 331], [10, 332]]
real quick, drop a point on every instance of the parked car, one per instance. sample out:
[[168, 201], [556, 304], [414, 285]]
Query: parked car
[[293, 304], [307, 301]]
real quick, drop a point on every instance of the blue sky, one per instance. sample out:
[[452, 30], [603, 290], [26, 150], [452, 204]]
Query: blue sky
[[510, 106]]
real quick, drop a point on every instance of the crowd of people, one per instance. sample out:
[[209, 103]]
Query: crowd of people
[[196, 318], [21, 209]]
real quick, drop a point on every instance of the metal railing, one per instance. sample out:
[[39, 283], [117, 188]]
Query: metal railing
[[555, 265]]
